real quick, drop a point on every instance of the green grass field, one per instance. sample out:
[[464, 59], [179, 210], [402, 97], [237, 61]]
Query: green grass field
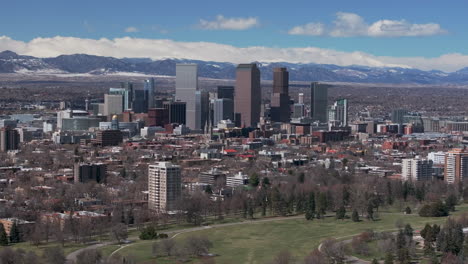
[[39, 250], [260, 242]]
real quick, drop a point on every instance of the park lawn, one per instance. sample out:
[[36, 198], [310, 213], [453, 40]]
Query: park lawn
[[39, 250], [374, 251], [259, 242]]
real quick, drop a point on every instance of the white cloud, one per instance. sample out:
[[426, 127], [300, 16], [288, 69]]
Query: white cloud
[[232, 23], [311, 29], [165, 48], [352, 25], [131, 29]]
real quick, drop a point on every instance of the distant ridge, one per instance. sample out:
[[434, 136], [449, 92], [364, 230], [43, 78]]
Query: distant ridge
[[11, 62]]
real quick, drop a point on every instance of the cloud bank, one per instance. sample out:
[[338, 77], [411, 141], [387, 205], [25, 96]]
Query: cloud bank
[[232, 23], [353, 25], [131, 29], [209, 51]]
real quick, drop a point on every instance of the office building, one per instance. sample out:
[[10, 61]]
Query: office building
[[300, 98], [203, 99], [416, 169], [157, 117], [248, 95], [90, 172], [213, 177], [69, 114], [9, 139], [177, 112], [127, 95], [237, 180], [398, 115], [223, 109], [186, 91], [280, 111], [140, 101], [113, 104], [318, 102], [149, 89], [298, 110], [164, 186], [226, 92], [338, 113], [109, 138], [456, 166], [8, 123], [79, 123]]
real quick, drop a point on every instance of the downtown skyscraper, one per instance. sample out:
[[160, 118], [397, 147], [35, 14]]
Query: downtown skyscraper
[[248, 95], [338, 113], [318, 102], [280, 110], [149, 91], [186, 91]]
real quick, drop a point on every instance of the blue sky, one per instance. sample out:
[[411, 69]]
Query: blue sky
[[437, 27]]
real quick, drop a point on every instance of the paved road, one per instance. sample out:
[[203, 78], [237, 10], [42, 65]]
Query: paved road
[[71, 258]]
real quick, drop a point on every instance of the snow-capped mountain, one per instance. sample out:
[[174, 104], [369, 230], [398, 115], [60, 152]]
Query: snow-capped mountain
[[11, 62]]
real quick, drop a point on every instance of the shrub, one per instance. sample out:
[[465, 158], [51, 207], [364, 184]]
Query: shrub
[[435, 209], [148, 233]]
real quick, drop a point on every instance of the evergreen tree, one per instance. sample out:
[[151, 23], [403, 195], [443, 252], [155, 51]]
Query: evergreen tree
[[14, 234], [341, 212], [370, 211], [265, 182], [355, 216], [321, 204], [400, 240], [408, 231], [389, 258], [346, 196], [3, 236], [451, 201], [408, 210], [403, 256], [375, 261], [389, 194], [254, 180], [310, 207], [301, 177]]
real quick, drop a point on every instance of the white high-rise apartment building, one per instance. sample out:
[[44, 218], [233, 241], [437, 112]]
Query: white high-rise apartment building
[[416, 169], [456, 166], [186, 91], [164, 186], [437, 157]]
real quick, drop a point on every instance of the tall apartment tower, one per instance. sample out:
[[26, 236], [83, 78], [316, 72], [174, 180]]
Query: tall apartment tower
[[456, 166], [149, 89], [338, 112], [186, 91], [318, 102], [9, 139], [280, 110], [248, 95], [416, 169], [164, 186]]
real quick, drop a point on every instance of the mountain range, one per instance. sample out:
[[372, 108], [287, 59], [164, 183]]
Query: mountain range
[[10, 62]]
